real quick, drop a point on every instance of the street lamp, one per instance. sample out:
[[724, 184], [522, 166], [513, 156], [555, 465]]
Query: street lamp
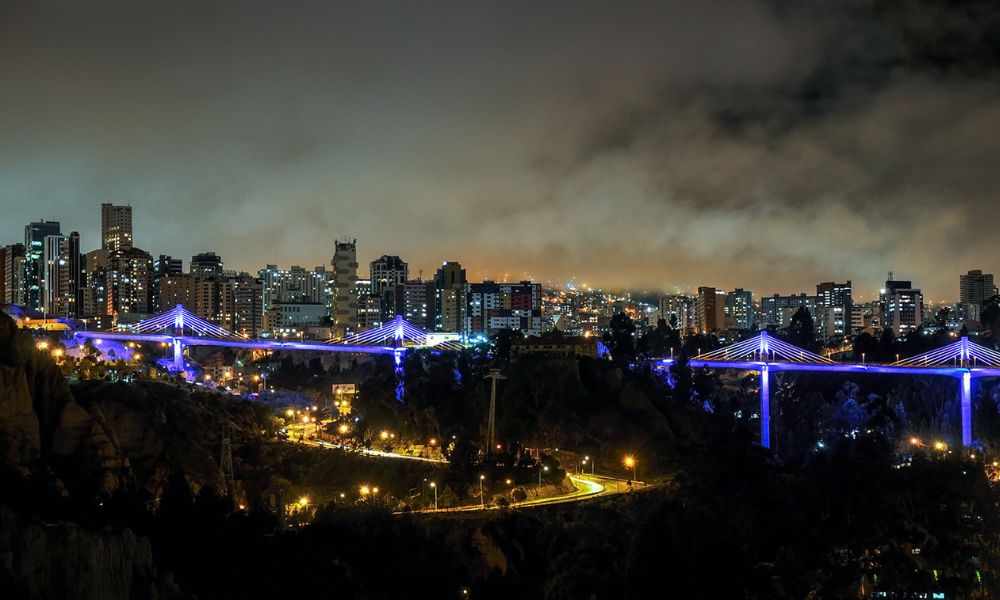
[[435, 488], [482, 501], [629, 463], [540, 475]]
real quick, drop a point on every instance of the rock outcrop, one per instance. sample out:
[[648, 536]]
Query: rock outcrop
[[64, 560], [39, 418]]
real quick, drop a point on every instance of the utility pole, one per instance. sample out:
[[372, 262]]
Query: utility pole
[[491, 426], [226, 477]]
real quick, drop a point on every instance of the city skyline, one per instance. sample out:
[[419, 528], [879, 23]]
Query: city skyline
[[862, 292], [761, 147]]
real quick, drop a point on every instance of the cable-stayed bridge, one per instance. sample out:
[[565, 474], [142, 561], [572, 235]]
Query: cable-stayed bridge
[[962, 360], [180, 328]]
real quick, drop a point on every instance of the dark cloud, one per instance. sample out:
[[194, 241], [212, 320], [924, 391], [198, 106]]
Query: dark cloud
[[739, 143]]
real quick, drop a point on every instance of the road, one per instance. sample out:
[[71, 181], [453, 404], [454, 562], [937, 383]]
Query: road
[[586, 486], [297, 434]]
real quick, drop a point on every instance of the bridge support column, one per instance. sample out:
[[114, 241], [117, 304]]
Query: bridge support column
[[397, 355], [178, 355], [765, 408], [966, 409]]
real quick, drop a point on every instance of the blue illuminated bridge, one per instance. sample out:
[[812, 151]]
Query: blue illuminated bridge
[[179, 328], [962, 360]]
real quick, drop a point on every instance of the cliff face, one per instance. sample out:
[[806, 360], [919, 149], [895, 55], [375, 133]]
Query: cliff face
[[63, 560], [39, 418]]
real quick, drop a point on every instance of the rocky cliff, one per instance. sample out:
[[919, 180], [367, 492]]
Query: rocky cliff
[[40, 421], [63, 560]]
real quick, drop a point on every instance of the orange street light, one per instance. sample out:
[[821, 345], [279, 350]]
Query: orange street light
[[630, 462]]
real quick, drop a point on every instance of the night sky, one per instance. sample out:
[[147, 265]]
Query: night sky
[[768, 145]]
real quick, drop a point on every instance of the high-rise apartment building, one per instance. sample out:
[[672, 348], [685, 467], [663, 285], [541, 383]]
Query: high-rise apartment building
[[835, 302], [176, 289], [679, 309], [449, 285], [777, 311], [369, 306], [247, 314], [415, 300], [345, 292], [904, 307], [295, 285], [830, 293], [709, 310], [493, 307], [12, 274], [116, 227], [739, 312], [55, 275], [974, 289], [129, 282]]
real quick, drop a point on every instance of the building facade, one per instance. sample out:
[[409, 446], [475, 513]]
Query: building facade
[[34, 260], [345, 291], [449, 285], [494, 307], [386, 272], [12, 274], [739, 311], [116, 227]]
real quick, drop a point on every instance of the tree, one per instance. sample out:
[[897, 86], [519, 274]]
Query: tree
[[620, 339], [800, 329]]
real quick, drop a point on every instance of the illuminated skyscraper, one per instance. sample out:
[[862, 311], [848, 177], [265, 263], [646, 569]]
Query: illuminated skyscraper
[[345, 292], [974, 288], [709, 309], [12, 274], [55, 280], [116, 227], [739, 309], [34, 263], [449, 281]]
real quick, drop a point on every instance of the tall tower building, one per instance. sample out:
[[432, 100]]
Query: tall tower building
[[975, 287], [903, 306], [739, 309], [116, 227], [345, 292], [706, 310], [56, 276], [449, 281], [77, 279], [12, 274], [34, 260]]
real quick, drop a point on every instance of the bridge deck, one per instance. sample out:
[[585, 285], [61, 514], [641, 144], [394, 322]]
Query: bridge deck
[[756, 365], [231, 343]]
